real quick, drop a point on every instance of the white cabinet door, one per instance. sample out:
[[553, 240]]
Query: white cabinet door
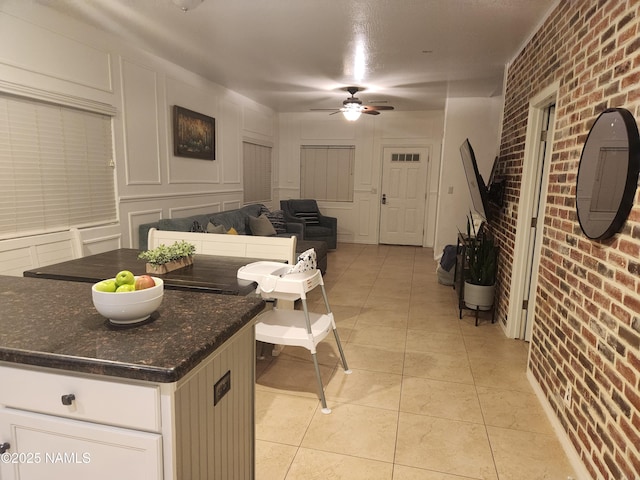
[[45, 447]]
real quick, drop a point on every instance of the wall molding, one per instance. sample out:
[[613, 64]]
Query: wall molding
[[57, 98], [177, 195]]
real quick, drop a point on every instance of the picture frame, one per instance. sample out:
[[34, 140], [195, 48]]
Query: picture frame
[[194, 134]]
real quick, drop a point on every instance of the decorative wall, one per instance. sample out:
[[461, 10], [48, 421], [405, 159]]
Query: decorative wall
[[358, 221], [57, 58], [586, 331]]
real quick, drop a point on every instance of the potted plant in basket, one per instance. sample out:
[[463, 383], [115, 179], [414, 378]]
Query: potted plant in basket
[[480, 276], [163, 259]]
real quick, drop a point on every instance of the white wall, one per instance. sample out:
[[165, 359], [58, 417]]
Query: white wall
[[477, 119], [358, 222], [44, 53]]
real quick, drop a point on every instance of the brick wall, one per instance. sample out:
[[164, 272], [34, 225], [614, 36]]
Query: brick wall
[[586, 330]]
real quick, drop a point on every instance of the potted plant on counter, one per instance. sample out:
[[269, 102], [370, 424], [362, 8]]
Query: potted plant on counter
[[164, 259], [480, 276]]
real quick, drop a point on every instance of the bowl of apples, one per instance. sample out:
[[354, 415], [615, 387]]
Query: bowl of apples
[[127, 299]]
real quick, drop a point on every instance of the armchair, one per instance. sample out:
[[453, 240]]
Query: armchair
[[316, 225]]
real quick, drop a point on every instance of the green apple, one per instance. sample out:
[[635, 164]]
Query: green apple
[[106, 286], [127, 287], [125, 277]]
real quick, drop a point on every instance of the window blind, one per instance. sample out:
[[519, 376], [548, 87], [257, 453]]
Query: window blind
[[326, 172], [55, 168], [256, 172]]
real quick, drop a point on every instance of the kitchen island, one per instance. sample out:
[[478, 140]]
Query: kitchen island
[[79, 398]]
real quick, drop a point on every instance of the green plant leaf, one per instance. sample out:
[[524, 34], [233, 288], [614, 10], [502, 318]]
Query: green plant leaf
[[163, 254], [482, 259]]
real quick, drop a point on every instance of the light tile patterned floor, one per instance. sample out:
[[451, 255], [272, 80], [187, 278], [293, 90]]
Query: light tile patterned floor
[[431, 397]]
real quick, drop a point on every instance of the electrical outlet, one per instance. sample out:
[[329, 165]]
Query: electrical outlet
[[567, 396]]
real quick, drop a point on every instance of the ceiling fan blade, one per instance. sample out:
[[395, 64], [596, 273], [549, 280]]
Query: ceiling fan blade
[[371, 112], [324, 110], [378, 107]]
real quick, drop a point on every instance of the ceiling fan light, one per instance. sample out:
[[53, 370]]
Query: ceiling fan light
[[186, 5], [351, 114]]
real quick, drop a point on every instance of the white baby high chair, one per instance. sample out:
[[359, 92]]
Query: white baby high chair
[[293, 327]]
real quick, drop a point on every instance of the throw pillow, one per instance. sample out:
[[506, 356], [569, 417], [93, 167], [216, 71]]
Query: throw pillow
[[261, 226], [277, 220], [211, 228], [196, 227], [309, 218], [307, 260], [232, 231]]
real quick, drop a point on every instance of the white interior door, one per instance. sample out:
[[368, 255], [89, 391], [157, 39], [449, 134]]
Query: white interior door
[[537, 209], [404, 180], [531, 205]]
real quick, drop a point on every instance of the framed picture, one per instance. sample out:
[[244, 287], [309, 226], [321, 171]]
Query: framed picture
[[194, 134]]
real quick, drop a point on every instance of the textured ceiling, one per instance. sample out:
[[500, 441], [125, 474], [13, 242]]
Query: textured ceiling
[[294, 55]]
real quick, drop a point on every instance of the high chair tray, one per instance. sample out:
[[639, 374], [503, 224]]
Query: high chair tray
[[256, 271]]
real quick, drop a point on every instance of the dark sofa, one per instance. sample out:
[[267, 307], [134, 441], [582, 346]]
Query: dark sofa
[[239, 220]]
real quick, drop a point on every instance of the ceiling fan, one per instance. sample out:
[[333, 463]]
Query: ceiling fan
[[352, 107]]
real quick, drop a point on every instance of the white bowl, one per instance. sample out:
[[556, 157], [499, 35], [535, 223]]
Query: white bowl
[[125, 308]]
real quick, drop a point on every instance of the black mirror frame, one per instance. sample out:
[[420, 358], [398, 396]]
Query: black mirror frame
[[631, 182]]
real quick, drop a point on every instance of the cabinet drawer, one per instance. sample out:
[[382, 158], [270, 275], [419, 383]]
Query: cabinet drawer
[[101, 401]]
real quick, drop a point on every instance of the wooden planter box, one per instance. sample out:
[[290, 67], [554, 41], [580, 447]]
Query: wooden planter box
[[170, 266]]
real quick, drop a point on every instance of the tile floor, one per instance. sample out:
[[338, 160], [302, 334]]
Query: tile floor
[[431, 397]]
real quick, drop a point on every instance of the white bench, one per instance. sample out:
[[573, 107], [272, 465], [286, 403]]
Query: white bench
[[26, 253], [281, 249]]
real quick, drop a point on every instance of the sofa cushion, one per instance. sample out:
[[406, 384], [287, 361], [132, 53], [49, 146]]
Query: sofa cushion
[[315, 231], [232, 219], [261, 226], [211, 228], [277, 220], [182, 224], [237, 219]]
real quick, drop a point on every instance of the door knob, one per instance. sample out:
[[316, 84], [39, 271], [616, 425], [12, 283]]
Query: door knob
[[384, 199], [4, 447]]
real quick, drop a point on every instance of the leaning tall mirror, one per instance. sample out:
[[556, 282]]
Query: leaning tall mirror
[[608, 174]]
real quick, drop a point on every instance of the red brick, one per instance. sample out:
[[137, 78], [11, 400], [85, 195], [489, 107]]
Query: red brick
[[590, 289]]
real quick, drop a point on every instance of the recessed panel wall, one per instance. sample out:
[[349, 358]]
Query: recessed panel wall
[[230, 147], [57, 56], [141, 124], [185, 170]]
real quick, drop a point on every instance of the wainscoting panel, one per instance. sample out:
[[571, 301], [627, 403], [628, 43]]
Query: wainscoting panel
[[215, 438], [141, 130], [74, 62]]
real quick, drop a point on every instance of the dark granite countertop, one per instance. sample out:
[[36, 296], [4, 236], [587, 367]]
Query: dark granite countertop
[[53, 323]]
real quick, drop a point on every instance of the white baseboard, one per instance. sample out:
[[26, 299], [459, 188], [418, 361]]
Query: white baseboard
[[572, 454]]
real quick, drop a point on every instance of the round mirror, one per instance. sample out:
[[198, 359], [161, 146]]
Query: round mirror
[[608, 174]]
